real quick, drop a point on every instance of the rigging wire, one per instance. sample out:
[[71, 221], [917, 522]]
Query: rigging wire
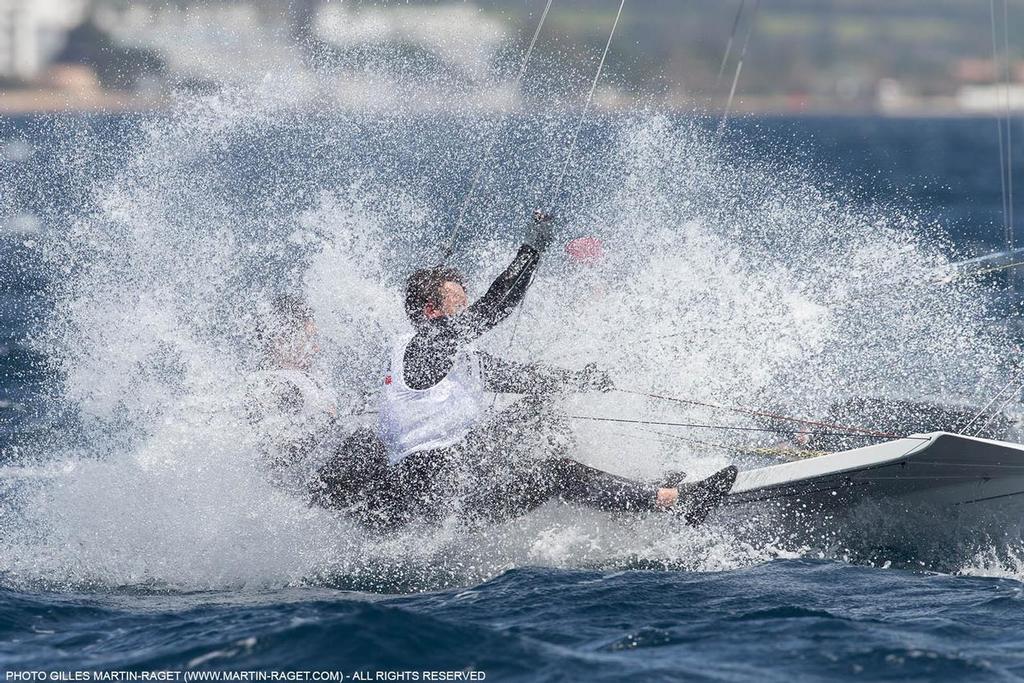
[[728, 45], [777, 452], [993, 269], [568, 157], [478, 175], [661, 437], [1009, 126], [999, 411], [590, 96], [739, 67], [996, 69], [1017, 378], [734, 428]]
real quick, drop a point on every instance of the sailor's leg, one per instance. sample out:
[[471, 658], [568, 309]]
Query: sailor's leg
[[517, 491], [424, 486], [531, 486], [353, 473], [595, 488], [579, 483]]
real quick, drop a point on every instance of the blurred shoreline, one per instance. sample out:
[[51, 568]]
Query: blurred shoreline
[[833, 59], [53, 101]]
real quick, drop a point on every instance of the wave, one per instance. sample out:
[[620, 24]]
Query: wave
[[549, 624]]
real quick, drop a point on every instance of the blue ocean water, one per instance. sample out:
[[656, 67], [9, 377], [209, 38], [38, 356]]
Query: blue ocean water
[[784, 620], [64, 605]]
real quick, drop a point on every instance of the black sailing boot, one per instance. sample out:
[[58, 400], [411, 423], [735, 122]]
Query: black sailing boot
[[698, 499]]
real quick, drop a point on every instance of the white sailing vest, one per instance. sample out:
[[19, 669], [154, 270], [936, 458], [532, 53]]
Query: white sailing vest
[[413, 420], [314, 409], [287, 407], [316, 398]]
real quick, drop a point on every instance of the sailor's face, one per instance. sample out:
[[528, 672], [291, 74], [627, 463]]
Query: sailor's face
[[311, 335], [299, 348], [453, 301]]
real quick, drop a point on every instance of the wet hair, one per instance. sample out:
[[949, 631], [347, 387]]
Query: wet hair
[[424, 287], [291, 309], [287, 314]]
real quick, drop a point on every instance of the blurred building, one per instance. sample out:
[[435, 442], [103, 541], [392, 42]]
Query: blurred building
[[457, 35], [363, 56], [991, 98], [32, 32], [215, 43]]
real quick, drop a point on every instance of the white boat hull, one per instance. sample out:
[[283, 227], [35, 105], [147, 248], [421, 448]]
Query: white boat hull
[[920, 471]]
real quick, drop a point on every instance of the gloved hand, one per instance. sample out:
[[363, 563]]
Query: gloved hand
[[591, 378], [541, 231], [542, 216]]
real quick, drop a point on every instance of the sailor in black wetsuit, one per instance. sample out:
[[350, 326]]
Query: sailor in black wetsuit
[[447, 457], [303, 446]]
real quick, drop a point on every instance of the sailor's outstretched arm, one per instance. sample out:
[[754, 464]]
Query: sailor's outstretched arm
[[509, 288], [511, 377], [430, 354]]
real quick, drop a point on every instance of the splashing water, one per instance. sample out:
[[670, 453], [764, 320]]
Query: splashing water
[[727, 278]]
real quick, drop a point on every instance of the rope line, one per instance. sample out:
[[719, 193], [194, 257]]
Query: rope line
[[763, 413], [694, 425], [494, 138]]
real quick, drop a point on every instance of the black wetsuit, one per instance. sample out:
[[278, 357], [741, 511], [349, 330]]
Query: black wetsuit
[[483, 477], [430, 354], [494, 474]]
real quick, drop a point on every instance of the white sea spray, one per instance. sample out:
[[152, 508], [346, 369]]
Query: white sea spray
[[728, 279]]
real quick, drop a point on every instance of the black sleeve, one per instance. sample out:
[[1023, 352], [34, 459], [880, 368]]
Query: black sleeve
[[501, 298], [431, 353], [509, 377]]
